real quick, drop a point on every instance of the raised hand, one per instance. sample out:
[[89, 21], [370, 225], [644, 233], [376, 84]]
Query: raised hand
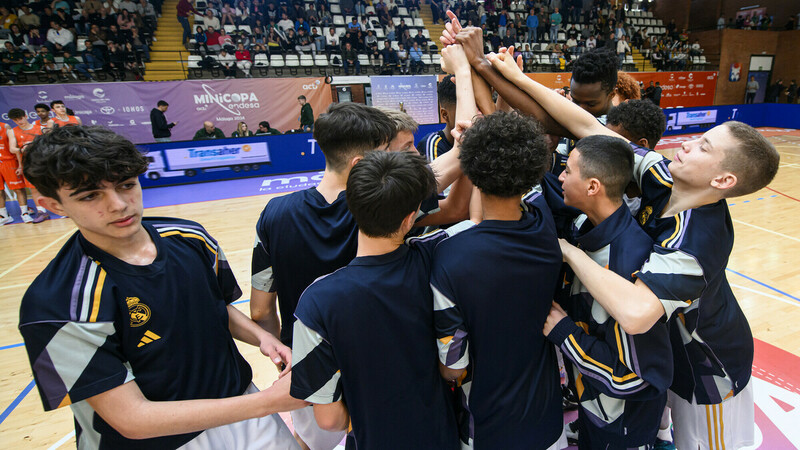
[[504, 63], [471, 38], [454, 58], [451, 29]]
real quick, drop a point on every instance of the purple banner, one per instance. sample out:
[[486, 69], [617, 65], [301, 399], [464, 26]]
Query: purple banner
[[416, 95], [125, 107]]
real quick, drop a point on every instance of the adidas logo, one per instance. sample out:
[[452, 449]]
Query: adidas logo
[[148, 337]]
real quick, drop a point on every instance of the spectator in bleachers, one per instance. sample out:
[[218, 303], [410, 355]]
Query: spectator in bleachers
[[28, 19], [68, 67], [502, 22], [421, 40], [324, 14], [508, 39], [622, 49], [139, 44], [353, 25], [228, 63], [59, 39], [127, 5], [415, 54], [413, 8], [555, 24], [116, 35], [226, 41], [16, 35], [532, 23], [332, 42], [133, 61], [347, 7], [591, 43], [366, 25], [291, 41], [11, 61], [93, 59], [270, 13], [285, 23], [390, 59], [390, 31], [304, 43], [116, 60], [371, 41], [276, 43], [65, 20], [301, 23], [243, 60], [211, 21], [402, 56], [201, 41], [317, 39], [350, 58], [228, 14], [147, 11]]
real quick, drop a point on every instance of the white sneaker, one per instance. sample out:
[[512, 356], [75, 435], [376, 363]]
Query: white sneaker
[[4, 220], [26, 216]]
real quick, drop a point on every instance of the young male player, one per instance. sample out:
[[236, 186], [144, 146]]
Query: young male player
[[131, 323], [11, 175], [62, 118], [45, 122], [364, 336], [639, 121], [621, 379], [493, 285], [685, 212], [19, 138], [436, 144]]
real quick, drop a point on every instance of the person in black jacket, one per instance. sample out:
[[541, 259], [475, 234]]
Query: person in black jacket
[[161, 129]]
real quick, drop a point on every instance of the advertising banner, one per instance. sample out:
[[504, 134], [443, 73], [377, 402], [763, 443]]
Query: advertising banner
[[125, 107], [415, 95]]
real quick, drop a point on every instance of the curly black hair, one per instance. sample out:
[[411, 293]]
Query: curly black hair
[[504, 154], [385, 187], [446, 91], [597, 65], [351, 129], [640, 119], [80, 157]]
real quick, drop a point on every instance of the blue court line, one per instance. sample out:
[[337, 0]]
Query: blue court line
[[765, 285], [749, 201], [240, 301], [17, 401], [6, 347]]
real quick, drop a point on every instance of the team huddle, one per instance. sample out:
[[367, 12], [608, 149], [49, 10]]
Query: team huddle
[[413, 302]]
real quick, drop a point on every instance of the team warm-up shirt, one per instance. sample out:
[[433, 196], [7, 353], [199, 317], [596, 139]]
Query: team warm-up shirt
[[71, 120], [434, 145], [549, 196], [565, 146], [365, 335], [712, 344], [493, 286], [621, 379], [299, 238], [25, 137], [92, 322]]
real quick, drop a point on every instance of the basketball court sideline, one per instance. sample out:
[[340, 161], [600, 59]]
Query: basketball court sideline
[[760, 270]]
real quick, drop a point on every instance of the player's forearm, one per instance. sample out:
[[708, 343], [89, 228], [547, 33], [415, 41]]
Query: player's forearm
[[634, 306], [264, 312], [574, 121], [332, 416], [454, 208], [517, 98], [127, 410], [244, 329], [483, 94]]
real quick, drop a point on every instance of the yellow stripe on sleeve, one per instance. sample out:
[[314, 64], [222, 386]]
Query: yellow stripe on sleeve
[[188, 235], [678, 225], [587, 358], [658, 177], [98, 294]]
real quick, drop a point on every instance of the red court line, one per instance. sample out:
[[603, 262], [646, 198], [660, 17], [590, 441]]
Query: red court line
[[781, 193]]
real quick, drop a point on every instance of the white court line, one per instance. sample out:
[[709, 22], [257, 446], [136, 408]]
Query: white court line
[[238, 251], [755, 291], [35, 254], [15, 286], [762, 229], [62, 441]]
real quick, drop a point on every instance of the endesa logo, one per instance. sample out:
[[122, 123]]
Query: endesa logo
[[314, 85]]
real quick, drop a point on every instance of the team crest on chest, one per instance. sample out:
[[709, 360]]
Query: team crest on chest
[[140, 313], [645, 214]]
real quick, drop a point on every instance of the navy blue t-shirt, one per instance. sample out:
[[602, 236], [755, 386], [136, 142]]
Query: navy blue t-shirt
[[365, 335], [434, 145], [92, 322], [493, 286]]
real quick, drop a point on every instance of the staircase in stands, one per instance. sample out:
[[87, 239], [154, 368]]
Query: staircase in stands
[[642, 64], [435, 30], [168, 50]]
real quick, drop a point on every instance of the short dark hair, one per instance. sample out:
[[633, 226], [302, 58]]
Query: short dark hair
[[264, 124], [301, 97], [56, 102], [162, 103], [16, 113], [609, 159], [446, 91], [596, 65], [385, 187], [42, 106], [80, 157], [351, 129], [641, 119], [504, 154], [754, 160]]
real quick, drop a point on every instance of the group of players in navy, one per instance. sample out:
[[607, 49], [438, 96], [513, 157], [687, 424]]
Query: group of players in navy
[[393, 337]]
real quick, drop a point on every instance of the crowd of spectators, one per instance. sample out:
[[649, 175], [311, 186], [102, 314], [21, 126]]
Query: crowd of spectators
[[65, 38], [233, 35]]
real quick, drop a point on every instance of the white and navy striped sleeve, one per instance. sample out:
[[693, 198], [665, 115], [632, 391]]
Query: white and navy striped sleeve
[[262, 276]]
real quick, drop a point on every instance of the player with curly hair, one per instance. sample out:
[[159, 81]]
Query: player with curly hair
[[639, 121]]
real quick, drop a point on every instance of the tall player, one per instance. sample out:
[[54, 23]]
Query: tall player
[[684, 210], [100, 325], [11, 175], [63, 119], [19, 138]]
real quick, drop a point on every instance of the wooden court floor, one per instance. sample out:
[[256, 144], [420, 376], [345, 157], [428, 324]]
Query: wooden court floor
[[763, 271]]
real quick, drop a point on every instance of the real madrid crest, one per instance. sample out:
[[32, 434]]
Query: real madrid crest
[[140, 313], [645, 214]]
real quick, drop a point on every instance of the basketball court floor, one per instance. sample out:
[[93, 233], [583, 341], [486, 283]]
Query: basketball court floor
[[763, 271]]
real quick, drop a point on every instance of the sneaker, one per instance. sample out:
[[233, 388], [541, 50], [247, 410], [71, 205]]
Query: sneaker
[[40, 217], [4, 220], [571, 430], [26, 216], [663, 445]]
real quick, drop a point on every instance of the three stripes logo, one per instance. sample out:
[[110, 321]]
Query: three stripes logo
[[148, 337]]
